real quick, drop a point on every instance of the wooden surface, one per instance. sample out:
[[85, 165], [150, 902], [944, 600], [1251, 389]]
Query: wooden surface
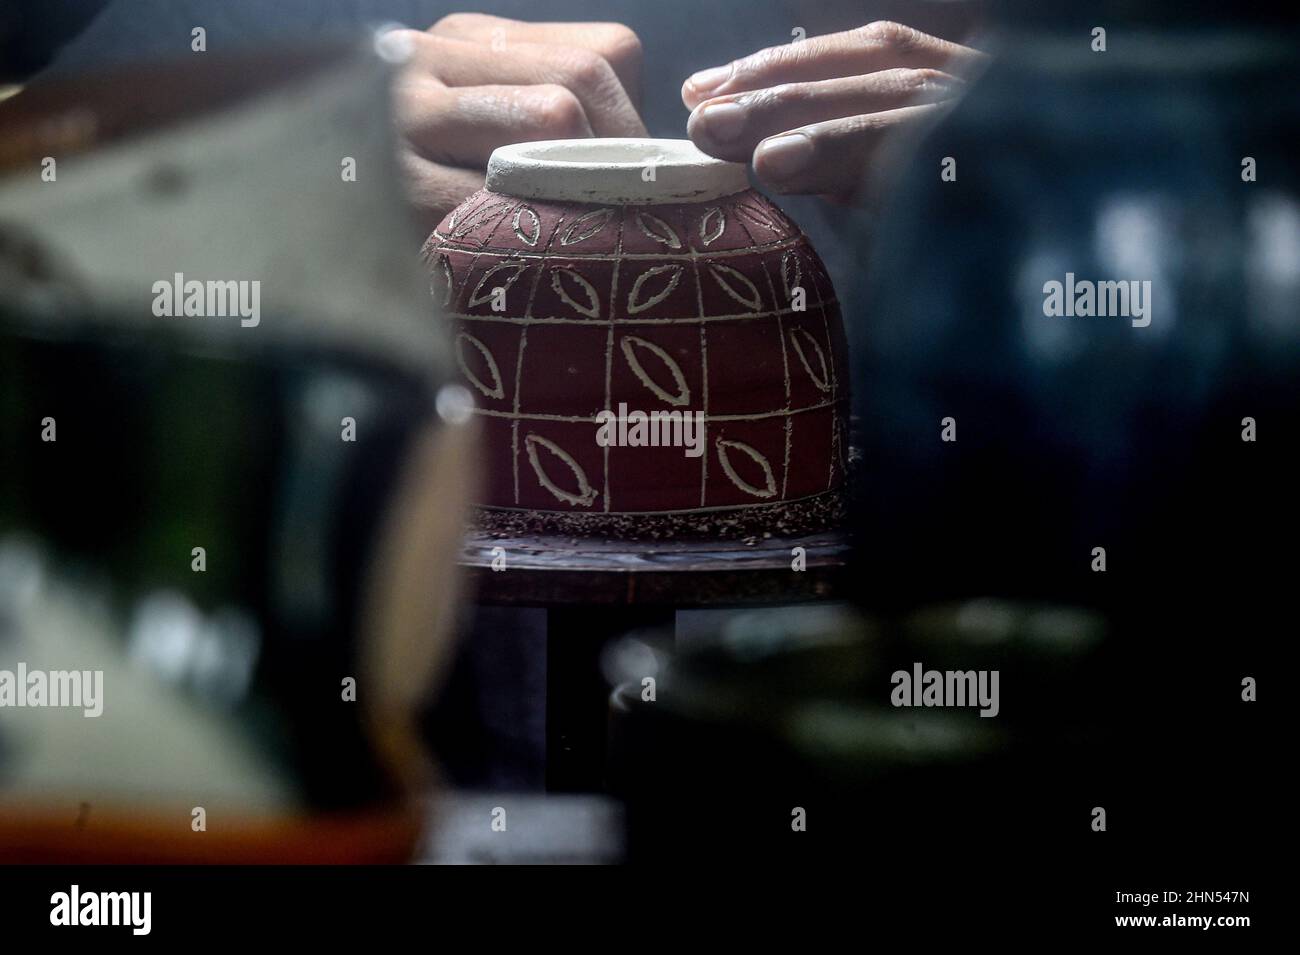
[[544, 571], [595, 590]]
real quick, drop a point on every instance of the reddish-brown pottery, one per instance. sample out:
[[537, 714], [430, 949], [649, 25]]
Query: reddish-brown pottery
[[635, 277]]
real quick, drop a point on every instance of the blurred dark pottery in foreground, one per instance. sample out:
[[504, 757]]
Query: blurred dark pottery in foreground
[[1073, 433], [175, 432], [1077, 433], [788, 708]]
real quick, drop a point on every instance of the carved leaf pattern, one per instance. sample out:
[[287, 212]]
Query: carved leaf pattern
[[528, 228], [494, 389], [791, 273], [583, 495], [681, 393], [502, 275], [808, 350], [586, 225], [583, 298], [480, 215], [644, 293], [724, 458], [712, 224], [737, 285], [655, 228]]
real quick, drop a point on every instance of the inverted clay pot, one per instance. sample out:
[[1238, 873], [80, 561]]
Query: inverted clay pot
[[634, 276]]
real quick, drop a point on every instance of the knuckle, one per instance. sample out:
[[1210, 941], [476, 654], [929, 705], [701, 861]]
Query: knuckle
[[624, 45], [922, 79], [890, 34], [586, 69], [783, 94], [557, 110], [862, 128], [766, 62]]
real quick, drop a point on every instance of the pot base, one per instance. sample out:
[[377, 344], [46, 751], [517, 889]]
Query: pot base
[[784, 518]]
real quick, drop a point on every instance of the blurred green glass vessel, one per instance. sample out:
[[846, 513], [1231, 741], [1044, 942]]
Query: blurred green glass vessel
[[230, 514]]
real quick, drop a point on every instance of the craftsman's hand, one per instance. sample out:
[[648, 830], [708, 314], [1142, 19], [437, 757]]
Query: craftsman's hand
[[811, 114], [474, 82]]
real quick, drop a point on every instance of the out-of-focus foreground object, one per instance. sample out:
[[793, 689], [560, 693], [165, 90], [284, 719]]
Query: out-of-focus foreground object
[[32, 31], [233, 468], [1078, 379], [1094, 509]]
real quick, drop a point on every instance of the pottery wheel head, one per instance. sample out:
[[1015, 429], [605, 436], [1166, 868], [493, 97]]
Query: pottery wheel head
[[613, 171]]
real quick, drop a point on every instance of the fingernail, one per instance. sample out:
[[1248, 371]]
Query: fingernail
[[723, 122], [782, 157], [708, 80], [940, 86]]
